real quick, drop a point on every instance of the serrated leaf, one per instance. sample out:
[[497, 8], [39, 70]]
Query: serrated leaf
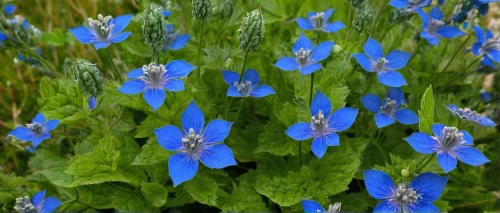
[[203, 189], [154, 193], [151, 153], [244, 198], [9, 185], [426, 113]]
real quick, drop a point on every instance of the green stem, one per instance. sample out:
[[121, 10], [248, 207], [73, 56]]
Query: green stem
[[416, 51], [389, 29], [466, 74], [366, 88], [199, 49], [317, 38], [243, 67], [240, 108], [442, 54], [115, 69], [428, 160], [456, 53], [380, 149]]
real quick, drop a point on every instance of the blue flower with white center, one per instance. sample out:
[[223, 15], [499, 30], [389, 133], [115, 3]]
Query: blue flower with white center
[[194, 144], [36, 132], [174, 41], [469, 115], [318, 21], [449, 143], [154, 79], [416, 196], [311, 206], [324, 126], [248, 87], [104, 31], [389, 110], [410, 5], [433, 26], [9, 9], [486, 45], [38, 203], [385, 67], [306, 58]]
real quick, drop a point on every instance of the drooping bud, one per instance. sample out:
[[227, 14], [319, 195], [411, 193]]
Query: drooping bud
[[87, 76], [153, 27], [252, 31], [364, 17], [202, 9]]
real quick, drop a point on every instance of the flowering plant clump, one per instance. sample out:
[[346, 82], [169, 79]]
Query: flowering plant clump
[[250, 106]]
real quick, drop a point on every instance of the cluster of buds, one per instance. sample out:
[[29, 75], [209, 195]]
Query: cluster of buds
[[364, 16], [87, 76], [202, 9], [153, 27], [252, 31]]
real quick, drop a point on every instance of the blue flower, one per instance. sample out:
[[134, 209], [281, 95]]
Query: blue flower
[[384, 66], [389, 110], [3, 37], [306, 58], [92, 103], [153, 80], [486, 45], [9, 9], [166, 13], [411, 5], [36, 132], [311, 206], [486, 96], [30, 60], [469, 115], [104, 31], [450, 144], [174, 41], [433, 26], [319, 22], [416, 196], [38, 203], [324, 126], [248, 85], [194, 144]]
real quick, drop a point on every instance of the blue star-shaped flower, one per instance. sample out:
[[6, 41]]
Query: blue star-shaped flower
[[433, 26], [306, 58], [154, 79], [389, 110], [411, 5], [36, 132], [416, 196], [384, 66], [9, 9], [39, 203], [469, 115], [311, 206], [174, 41], [248, 85], [487, 45], [319, 21], [324, 126], [194, 144], [104, 31], [450, 144]]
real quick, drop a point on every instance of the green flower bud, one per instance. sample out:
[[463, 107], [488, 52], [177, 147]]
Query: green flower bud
[[405, 173], [364, 17], [202, 9], [337, 49], [87, 76], [251, 31], [153, 27]]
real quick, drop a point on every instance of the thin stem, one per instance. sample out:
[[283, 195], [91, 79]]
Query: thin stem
[[243, 67], [389, 29], [442, 54], [115, 69], [416, 51], [428, 160], [456, 53], [466, 74], [317, 38], [240, 108], [380, 149], [367, 87], [199, 48]]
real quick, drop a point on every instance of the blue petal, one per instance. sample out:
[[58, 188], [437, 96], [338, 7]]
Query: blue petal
[[447, 161], [483, 9], [2, 36], [83, 35], [378, 184], [484, 121], [487, 61], [429, 186], [383, 120], [39, 118], [332, 139], [399, 4], [262, 91], [178, 69], [467, 137], [230, 77], [193, 117], [9, 9], [437, 129], [310, 69], [169, 137], [169, 27], [174, 85], [371, 102], [132, 87], [387, 206], [50, 204], [436, 13], [100, 45], [216, 131], [120, 23], [311, 206], [373, 49], [470, 155], [287, 64], [154, 97], [302, 42], [494, 55], [135, 73], [166, 13], [406, 116], [321, 51], [479, 34], [182, 168], [422, 206], [232, 91], [51, 125], [304, 24], [300, 131], [396, 94], [432, 39], [217, 156], [397, 59], [22, 133], [319, 146], [489, 34], [422, 143], [391, 79], [363, 61], [38, 198], [180, 41], [328, 13], [321, 102], [92, 103], [37, 140], [425, 19], [334, 27], [120, 37], [252, 76], [342, 119], [449, 32]]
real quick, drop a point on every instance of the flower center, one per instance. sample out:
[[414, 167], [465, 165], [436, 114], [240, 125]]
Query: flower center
[[154, 75], [318, 19], [191, 141], [389, 107], [334, 208], [24, 205], [405, 195], [244, 87], [450, 137], [303, 56], [491, 44], [36, 128], [101, 27], [434, 25], [318, 122], [381, 62]]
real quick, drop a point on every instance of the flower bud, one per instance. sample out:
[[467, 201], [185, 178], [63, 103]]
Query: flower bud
[[87, 76], [364, 17], [337, 49], [251, 31], [202, 9], [405, 173], [153, 27]]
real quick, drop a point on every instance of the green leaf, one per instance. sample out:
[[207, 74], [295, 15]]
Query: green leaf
[[154, 193], [9, 187], [353, 202], [151, 153], [395, 169], [426, 113], [244, 198], [56, 175], [273, 141], [203, 189]]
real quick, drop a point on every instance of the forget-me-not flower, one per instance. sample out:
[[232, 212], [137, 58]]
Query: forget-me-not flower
[[104, 31], [306, 58], [154, 79], [389, 110], [324, 126], [469, 115], [194, 144], [172, 40], [385, 67], [311, 206], [449, 143], [319, 21], [416, 196], [36, 132], [248, 85], [433, 26], [38, 203], [487, 45], [411, 5]]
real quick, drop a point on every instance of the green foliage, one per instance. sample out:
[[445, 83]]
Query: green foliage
[[426, 113]]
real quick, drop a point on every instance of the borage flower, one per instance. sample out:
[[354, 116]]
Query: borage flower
[[469, 115], [36, 132], [311, 206], [416, 196], [173, 40], [194, 144], [248, 85], [389, 110], [486, 45], [433, 27], [449, 143], [318, 21], [38, 203], [104, 31], [306, 58], [411, 5], [324, 126], [385, 67], [154, 79], [9, 9]]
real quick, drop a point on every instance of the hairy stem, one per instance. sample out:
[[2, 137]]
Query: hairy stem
[[115, 69], [199, 49]]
